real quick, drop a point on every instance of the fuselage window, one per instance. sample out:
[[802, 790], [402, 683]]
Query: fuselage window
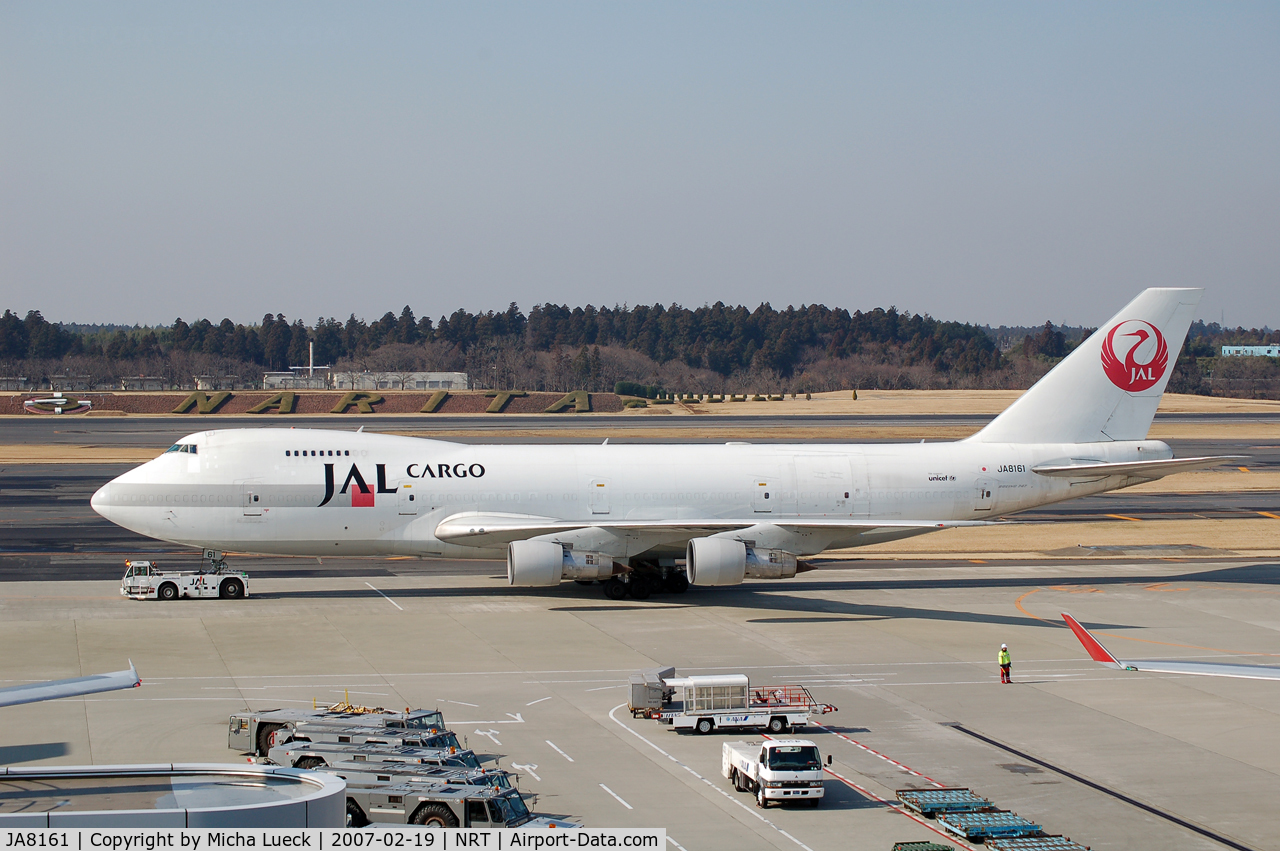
[[347, 452]]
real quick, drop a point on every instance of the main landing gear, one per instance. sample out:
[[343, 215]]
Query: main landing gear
[[640, 584]]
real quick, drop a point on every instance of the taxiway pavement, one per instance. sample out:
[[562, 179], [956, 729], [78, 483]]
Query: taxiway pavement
[[536, 679]]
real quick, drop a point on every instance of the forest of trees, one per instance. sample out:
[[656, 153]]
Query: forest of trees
[[714, 348]]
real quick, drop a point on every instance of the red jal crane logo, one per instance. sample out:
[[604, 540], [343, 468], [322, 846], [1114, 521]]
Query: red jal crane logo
[[1144, 339]]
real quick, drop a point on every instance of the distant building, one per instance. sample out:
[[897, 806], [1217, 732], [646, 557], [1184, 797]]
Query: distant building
[[298, 378], [218, 382], [400, 381], [1251, 351], [143, 383], [14, 382]]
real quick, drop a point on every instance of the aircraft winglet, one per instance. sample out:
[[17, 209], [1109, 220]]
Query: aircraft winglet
[[1097, 652]]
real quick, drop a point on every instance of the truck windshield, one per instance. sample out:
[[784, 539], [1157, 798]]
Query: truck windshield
[[794, 758], [512, 809], [425, 721], [466, 760], [441, 740]]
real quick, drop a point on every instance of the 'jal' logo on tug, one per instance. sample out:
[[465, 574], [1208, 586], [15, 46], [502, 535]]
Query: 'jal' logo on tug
[[361, 493], [1145, 359]]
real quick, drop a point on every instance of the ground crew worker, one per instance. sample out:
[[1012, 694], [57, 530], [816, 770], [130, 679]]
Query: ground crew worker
[[1005, 664]]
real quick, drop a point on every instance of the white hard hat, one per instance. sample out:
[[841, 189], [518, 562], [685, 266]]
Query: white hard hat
[[1004, 647]]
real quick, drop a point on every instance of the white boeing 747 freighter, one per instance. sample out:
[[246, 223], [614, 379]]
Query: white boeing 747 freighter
[[644, 518]]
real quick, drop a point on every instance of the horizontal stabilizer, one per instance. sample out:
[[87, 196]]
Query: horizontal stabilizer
[[35, 692], [1143, 469], [485, 529], [1103, 656]]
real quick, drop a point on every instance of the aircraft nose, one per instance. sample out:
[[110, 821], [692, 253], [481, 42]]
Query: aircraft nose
[[100, 501]]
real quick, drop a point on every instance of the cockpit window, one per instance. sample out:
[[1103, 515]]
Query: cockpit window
[[182, 447]]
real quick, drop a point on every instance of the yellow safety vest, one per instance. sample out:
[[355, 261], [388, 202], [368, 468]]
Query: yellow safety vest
[[1004, 657]]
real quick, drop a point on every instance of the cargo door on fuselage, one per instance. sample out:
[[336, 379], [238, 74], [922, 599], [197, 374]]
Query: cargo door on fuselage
[[251, 499], [407, 499], [762, 497], [824, 486], [598, 496]]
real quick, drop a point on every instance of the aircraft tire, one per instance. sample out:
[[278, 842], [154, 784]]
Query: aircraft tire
[[675, 583], [615, 589], [640, 588]]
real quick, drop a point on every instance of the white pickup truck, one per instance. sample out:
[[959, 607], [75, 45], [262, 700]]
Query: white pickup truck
[[775, 770]]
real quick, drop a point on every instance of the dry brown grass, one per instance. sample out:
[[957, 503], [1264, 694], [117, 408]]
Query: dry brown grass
[[1253, 538]]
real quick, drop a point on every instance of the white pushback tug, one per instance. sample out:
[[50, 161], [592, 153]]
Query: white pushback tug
[[145, 580]]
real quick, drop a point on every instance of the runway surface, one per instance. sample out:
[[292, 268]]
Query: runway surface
[[161, 432]]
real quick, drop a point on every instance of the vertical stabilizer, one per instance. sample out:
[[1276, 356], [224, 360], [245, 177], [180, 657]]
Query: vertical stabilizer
[[1110, 386]]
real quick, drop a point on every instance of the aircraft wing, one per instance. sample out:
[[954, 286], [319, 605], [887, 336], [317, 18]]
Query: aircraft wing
[[35, 692], [1146, 469], [1103, 656], [486, 529]]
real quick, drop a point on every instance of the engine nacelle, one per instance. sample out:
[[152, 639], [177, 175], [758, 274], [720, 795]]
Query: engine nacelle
[[770, 564], [582, 564], [536, 564], [715, 561]]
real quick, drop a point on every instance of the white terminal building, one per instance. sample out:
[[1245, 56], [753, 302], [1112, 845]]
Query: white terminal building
[[327, 378], [1251, 351]]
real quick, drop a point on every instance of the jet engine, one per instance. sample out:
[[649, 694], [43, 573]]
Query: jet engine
[[724, 561], [715, 561], [540, 563]]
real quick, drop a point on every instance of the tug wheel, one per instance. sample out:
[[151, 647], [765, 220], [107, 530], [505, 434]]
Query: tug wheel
[[435, 815]]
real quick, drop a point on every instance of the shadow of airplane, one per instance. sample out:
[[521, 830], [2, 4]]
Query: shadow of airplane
[[780, 601], [11, 754]]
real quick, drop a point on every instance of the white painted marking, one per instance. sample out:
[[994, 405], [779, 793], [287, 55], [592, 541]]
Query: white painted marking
[[557, 750], [367, 693], [461, 703], [615, 796], [603, 688], [492, 734], [529, 768], [539, 700], [519, 719], [731, 798], [385, 597], [679, 847]]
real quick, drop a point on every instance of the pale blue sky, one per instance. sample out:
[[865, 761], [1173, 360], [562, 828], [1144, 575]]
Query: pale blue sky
[[993, 162]]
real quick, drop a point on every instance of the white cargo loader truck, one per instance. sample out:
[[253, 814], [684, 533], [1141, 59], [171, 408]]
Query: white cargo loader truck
[[728, 701], [775, 770]]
